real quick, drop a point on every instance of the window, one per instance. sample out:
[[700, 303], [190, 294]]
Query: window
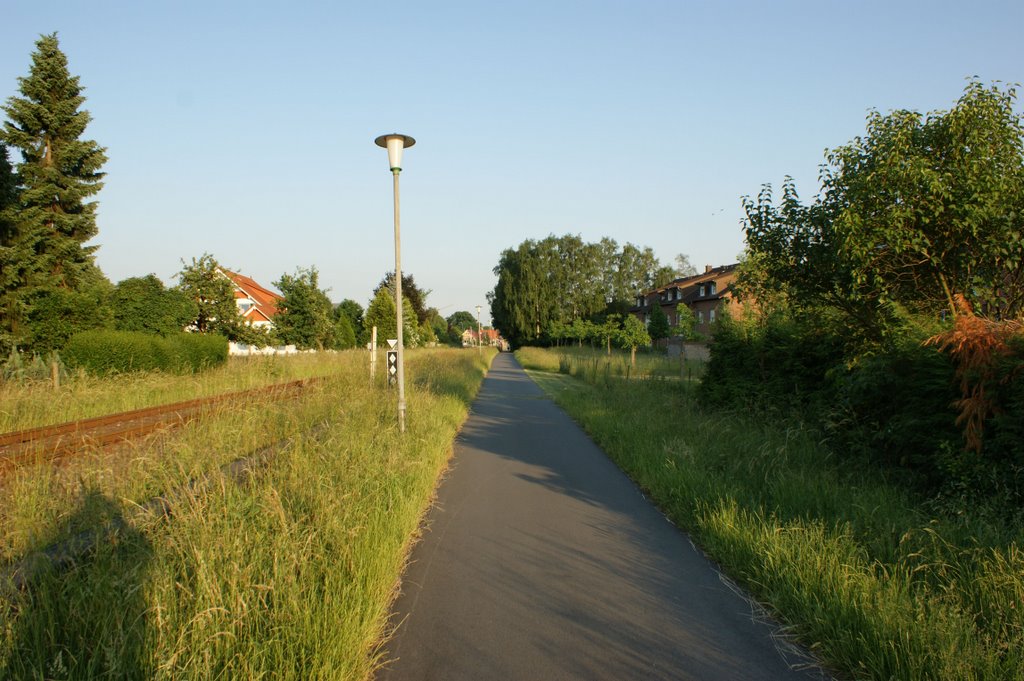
[[702, 290], [679, 294], [711, 317], [711, 291], [700, 316]]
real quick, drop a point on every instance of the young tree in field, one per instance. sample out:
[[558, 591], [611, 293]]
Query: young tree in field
[[581, 330], [686, 323], [305, 317], [144, 304], [58, 173], [633, 335], [658, 326], [609, 330]]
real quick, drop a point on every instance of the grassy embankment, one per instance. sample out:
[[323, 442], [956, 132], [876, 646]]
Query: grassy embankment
[[27, 404], [289, 576], [877, 585]]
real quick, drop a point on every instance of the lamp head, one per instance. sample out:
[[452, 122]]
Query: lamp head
[[394, 143]]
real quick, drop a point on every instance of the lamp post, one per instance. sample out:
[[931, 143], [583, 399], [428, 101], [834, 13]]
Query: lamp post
[[479, 333], [395, 143]]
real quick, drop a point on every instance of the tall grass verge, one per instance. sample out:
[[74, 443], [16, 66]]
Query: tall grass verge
[[594, 365], [867, 575], [290, 576], [32, 403]]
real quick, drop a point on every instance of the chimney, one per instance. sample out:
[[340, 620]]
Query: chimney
[[708, 268]]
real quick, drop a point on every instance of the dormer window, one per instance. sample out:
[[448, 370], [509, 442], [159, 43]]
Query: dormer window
[[702, 290], [711, 289]]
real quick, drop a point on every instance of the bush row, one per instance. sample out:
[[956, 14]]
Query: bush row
[[896, 409], [104, 351]]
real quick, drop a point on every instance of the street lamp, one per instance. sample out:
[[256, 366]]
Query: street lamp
[[479, 332], [395, 143]]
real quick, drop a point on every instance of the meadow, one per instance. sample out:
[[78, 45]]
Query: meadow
[[877, 582], [289, 575]]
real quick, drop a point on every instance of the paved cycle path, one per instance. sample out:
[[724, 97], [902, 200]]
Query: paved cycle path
[[541, 560]]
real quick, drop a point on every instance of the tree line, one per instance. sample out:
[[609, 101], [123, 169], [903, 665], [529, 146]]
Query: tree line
[[51, 287], [550, 285]]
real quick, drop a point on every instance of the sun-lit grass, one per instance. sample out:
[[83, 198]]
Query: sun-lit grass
[[32, 403], [594, 364], [863, 573], [290, 576]]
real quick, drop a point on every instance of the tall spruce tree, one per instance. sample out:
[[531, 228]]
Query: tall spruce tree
[[58, 172], [9, 258]]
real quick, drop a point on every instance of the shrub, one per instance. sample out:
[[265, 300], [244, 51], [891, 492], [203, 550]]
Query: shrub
[[777, 364], [895, 409], [104, 351]]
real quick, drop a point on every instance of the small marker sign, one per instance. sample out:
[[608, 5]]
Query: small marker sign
[[392, 342], [392, 367]]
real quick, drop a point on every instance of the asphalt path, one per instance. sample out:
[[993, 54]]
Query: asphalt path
[[541, 560]]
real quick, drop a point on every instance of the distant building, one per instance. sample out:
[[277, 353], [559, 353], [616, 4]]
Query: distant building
[[486, 337], [256, 304], [707, 295]]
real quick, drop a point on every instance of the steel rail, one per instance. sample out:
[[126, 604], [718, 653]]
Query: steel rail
[[24, 446]]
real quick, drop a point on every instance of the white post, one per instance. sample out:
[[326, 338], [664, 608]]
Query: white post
[[373, 354]]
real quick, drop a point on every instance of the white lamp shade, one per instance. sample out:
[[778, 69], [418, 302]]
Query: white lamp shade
[[395, 146], [395, 143]]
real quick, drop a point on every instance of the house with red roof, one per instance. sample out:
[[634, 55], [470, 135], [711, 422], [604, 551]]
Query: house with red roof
[[470, 337], [257, 304]]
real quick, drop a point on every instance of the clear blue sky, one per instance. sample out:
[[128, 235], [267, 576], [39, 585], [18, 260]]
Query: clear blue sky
[[245, 129]]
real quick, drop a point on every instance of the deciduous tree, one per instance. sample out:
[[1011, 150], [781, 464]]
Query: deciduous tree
[[916, 211], [144, 304], [416, 296], [632, 335], [305, 317], [213, 294]]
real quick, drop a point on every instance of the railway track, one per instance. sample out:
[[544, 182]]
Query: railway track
[[22, 447]]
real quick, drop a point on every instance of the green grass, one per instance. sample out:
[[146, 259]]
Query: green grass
[[861, 571], [32, 403], [290, 576], [597, 365]]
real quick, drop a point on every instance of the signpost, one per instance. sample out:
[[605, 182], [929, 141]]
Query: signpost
[[392, 362]]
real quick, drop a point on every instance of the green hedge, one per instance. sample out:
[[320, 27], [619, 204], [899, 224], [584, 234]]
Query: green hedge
[[893, 409], [103, 351]]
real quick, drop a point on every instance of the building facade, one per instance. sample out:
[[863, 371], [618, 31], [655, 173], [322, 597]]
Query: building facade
[[708, 295]]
